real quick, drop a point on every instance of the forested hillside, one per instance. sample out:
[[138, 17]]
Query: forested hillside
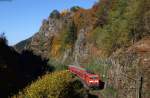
[[112, 39]]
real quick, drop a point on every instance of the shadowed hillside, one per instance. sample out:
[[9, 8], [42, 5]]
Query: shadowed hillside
[[17, 70]]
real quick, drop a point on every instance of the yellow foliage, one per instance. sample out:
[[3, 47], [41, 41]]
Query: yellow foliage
[[56, 45], [49, 86], [55, 50], [84, 18], [64, 12]]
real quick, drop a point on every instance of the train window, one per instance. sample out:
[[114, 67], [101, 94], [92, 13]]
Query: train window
[[89, 71]]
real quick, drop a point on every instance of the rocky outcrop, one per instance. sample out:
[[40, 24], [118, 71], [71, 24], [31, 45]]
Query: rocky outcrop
[[42, 42]]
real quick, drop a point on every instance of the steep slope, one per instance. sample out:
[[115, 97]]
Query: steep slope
[[101, 38]]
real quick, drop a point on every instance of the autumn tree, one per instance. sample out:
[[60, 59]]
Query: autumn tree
[[75, 8], [3, 39], [55, 14]]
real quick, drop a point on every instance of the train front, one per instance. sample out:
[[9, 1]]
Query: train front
[[93, 80]]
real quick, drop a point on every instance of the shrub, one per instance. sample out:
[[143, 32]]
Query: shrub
[[54, 85]]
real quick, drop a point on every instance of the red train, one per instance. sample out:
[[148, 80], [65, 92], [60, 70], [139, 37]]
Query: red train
[[90, 79]]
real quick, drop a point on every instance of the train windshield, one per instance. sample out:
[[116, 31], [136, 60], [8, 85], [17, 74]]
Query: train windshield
[[89, 71], [94, 77]]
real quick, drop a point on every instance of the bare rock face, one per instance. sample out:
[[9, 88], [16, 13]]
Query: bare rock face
[[41, 41], [81, 48], [129, 74]]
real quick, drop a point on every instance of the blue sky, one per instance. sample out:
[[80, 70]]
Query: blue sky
[[20, 19]]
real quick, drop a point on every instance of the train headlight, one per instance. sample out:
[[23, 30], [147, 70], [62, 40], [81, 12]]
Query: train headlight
[[96, 81], [91, 81]]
